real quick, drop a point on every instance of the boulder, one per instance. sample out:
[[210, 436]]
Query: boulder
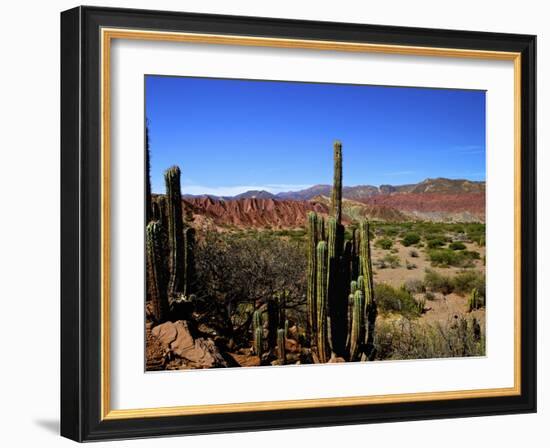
[[177, 338]]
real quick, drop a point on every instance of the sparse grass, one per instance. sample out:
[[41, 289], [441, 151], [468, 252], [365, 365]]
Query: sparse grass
[[395, 300], [392, 261], [438, 282], [410, 339]]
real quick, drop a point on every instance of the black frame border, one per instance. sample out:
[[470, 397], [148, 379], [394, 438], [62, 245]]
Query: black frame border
[[81, 223]]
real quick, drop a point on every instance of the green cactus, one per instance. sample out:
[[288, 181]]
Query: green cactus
[[361, 283], [366, 263], [311, 273], [321, 236], [475, 301], [258, 342], [272, 323], [281, 349], [340, 280], [258, 332], [176, 244], [321, 289], [148, 200], [156, 280], [353, 287], [189, 261], [357, 335], [336, 200], [287, 325]]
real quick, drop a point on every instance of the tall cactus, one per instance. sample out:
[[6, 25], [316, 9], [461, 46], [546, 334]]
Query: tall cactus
[[156, 280], [321, 290], [340, 278], [311, 274], [148, 200], [336, 202], [366, 263], [175, 231]]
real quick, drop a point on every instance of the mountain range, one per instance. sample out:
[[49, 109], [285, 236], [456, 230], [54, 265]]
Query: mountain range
[[440, 200], [361, 192]]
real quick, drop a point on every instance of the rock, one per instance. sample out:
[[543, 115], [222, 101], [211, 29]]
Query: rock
[[291, 345], [336, 359], [200, 352]]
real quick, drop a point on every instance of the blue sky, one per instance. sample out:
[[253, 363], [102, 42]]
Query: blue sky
[[229, 136]]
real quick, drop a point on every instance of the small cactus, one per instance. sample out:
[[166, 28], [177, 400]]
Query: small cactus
[[357, 325], [336, 200], [281, 349], [475, 301], [258, 333]]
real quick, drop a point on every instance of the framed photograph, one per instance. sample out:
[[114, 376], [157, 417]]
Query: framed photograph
[[273, 223]]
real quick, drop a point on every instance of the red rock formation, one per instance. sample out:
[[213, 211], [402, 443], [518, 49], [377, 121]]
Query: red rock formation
[[254, 212]]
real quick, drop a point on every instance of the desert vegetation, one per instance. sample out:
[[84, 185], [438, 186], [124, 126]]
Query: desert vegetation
[[336, 288]]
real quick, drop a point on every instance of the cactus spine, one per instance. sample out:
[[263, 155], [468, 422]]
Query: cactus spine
[[156, 281], [175, 231]]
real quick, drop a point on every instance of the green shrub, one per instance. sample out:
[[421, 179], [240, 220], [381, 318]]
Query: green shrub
[[464, 282], [436, 242], [395, 300], [457, 245], [410, 238], [384, 243], [438, 282], [471, 254], [447, 257]]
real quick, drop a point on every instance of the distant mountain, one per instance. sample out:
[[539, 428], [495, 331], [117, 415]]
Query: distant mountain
[[307, 194], [361, 192], [255, 194]]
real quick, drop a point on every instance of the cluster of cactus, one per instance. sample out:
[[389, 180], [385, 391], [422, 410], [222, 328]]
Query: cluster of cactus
[[475, 301], [277, 328], [340, 298], [168, 237]]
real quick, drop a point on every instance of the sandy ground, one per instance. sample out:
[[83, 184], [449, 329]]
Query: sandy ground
[[442, 308]]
